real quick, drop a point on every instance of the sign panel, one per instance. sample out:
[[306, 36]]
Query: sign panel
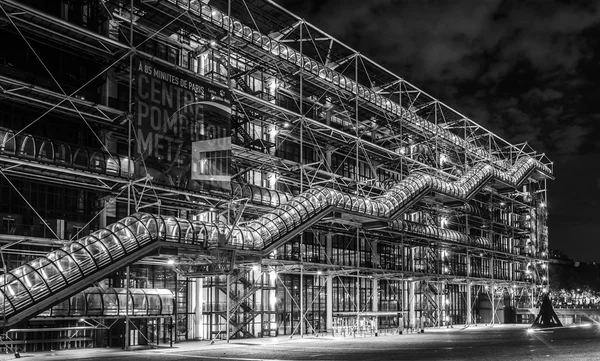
[[183, 128]]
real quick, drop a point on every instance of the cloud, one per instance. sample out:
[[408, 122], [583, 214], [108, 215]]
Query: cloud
[[568, 139]]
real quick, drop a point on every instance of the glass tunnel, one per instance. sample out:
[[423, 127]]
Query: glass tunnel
[[107, 302], [25, 286]]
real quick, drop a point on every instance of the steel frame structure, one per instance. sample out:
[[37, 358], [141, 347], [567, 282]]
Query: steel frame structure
[[308, 113]]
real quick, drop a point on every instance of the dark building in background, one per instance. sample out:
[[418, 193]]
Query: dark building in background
[[256, 176]]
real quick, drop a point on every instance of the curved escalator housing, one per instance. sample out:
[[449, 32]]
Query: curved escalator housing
[[37, 285], [131, 238], [282, 220]]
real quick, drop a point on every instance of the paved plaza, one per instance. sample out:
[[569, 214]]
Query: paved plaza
[[500, 342]]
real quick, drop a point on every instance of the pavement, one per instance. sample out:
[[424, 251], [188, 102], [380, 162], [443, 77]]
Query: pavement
[[197, 347]]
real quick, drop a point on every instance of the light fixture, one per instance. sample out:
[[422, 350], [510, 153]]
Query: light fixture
[[171, 262], [273, 84], [443, 158], [444, 222]]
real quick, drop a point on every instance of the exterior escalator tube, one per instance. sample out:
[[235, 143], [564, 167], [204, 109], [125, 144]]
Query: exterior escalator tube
[[31, 284], [37, 285]]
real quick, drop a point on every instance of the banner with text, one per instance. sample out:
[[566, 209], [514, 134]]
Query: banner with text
[[183, 129]]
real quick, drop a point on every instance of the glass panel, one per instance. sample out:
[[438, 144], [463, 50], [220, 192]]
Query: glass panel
[[81, 158], [63, 154], [26, 146], [273, 229], [124, 234], [290, 216], [78, 305], [94, 303], [32, 281], [112, 243], [65, 265], [112, 166], [83, 258], [187, 231], [7, 142], [172, 228], [281, 226], [49, 273], [18, 294], [61, 309], [140, 303], [111, 301], [46, 151], [124, 301], [300, 210], [310, 209], [97, 162], [6, 293], [166, 298], [100, 253], [154, 304], [247, 33]]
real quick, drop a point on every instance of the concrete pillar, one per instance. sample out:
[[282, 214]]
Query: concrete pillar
[[329, 247], [329, 286], [468, 264], [375, 255], [197, 304], [375, 285], [469, 304], [441, 304], [329, 304], [405, 306], [102, 217], [469, 295], [328, 153], [411, 304]]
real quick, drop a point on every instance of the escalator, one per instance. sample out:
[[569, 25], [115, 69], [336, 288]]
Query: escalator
[[279, 225], [36, 286]]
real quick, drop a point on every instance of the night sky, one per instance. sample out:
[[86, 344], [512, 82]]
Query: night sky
[[525, 70]]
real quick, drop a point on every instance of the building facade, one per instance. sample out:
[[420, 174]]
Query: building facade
[[273, 179]]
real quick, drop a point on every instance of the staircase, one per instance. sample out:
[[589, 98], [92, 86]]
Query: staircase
[[431, 309], [241, 309]]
